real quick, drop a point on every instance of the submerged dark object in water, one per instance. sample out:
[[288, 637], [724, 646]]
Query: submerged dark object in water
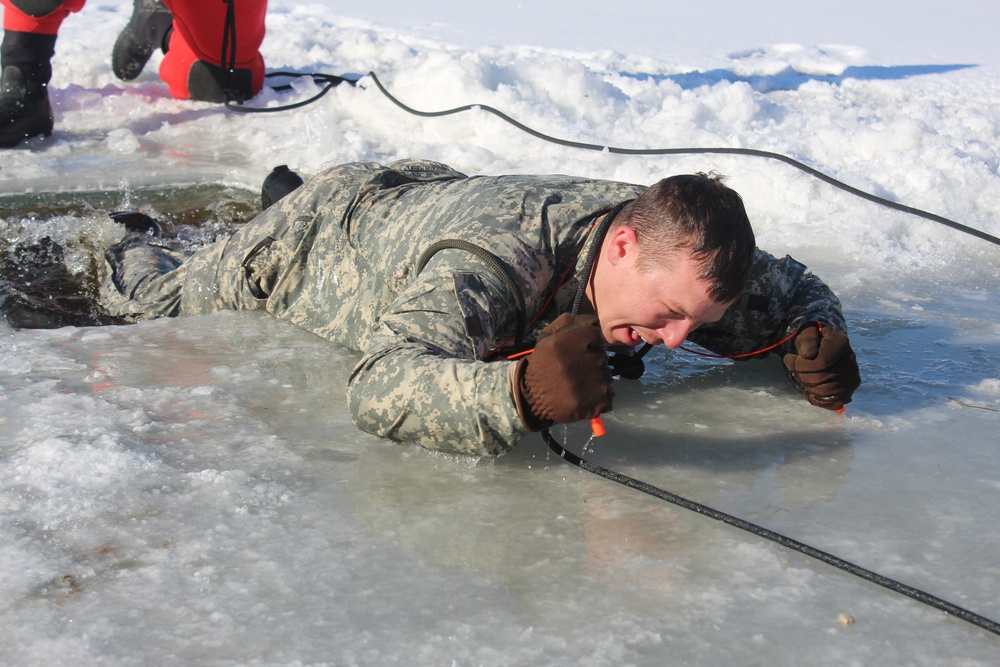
[[37, 290], [136, 222]]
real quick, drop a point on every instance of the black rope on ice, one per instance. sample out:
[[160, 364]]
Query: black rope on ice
[[778, 538], [694, 151], [329, 82]]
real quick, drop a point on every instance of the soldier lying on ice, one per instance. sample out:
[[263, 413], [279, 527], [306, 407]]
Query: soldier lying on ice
[[437, 277]]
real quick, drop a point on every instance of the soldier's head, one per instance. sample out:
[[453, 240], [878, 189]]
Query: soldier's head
[[673, 259], [696, 214]]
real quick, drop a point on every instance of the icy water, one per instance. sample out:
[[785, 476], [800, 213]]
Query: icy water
[[51, 240], [193, 491]]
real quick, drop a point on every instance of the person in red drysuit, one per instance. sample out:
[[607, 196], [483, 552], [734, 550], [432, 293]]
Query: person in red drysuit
[[211, 53]]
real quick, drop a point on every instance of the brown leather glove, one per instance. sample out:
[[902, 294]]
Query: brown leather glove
[[566, 378], [823, 366]]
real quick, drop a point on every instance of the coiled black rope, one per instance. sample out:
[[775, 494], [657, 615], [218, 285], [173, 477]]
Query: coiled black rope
[[328, 81]]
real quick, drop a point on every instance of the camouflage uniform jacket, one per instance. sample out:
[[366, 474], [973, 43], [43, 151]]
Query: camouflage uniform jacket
[[340, 257]]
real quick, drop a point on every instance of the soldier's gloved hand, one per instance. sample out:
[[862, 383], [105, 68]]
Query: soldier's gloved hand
[[824, 366], [566, 378]]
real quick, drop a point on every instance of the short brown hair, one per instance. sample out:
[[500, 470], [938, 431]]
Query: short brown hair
[[698, 213]]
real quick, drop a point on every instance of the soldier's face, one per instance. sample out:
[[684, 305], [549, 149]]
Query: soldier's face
[[656, 305]]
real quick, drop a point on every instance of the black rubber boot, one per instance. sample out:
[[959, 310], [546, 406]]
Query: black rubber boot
[[280, 182], [24, 96], [148, 29], [212, 83], [137, 223]]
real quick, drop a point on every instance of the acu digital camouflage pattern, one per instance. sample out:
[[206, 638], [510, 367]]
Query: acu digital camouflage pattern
[[338, 257]]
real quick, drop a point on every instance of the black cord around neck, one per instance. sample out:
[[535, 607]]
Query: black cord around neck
[[595, 247]]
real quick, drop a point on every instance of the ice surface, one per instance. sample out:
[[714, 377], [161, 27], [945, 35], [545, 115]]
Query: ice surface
[[193, 491]]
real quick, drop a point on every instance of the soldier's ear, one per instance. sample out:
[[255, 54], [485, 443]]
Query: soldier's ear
[[621, 243]]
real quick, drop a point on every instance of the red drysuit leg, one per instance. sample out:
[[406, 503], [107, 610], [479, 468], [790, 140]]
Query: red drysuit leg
[[37, 16], [195, 65]]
